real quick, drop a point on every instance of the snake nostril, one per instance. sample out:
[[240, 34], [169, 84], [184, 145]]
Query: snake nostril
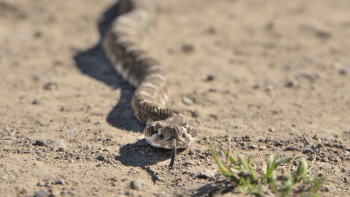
[[161, 136]]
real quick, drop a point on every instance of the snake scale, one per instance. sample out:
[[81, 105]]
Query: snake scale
[[165, 127]]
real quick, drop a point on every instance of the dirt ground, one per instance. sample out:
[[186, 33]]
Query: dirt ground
[[274, 75]]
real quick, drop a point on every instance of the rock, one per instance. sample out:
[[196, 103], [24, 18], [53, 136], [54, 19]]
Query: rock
[[187, 101], [195, 151], [124, 179], [40, 143], [272, 129], [40, 184], [207, 174], [142, 142], [61, 149], [59, 182], [191, 152], [194, 114], [101, 157], [188, 48], [160, 179], [253, 146], [36, 102], [42, 193], [189, 163], [136, 184], [262, 147], [246, 138], [198, 150], [61, 146], [292, 83], [307, 150], [268, 139], [22, 190], [210, 78], [51, 85], [324, 188], [344, 71]]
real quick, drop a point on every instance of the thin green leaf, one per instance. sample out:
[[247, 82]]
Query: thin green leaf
[[271, 163], [304, 166], [232, 160], [287, 188], [316, 184], [286, 160], [313, 161], [222, 168], [253, 176], [249, 160], [242, 161]]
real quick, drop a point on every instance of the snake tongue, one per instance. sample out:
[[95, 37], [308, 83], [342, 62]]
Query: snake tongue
[[173, 154]]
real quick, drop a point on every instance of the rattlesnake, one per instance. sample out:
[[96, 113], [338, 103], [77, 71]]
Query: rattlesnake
[[165, 127]]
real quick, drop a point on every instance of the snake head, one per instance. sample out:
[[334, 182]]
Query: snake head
[[162, 133]]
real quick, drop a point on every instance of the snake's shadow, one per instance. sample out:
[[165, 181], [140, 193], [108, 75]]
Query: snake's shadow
[[94, 63], [218, 188], [141, 154]]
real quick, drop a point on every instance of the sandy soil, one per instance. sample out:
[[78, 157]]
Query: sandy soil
[[275, 71]]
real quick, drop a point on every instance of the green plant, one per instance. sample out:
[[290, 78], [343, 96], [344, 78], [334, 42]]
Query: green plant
[[241, 172]]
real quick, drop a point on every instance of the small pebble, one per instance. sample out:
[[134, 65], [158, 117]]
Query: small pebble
[[206, 174], [268, 139], [60, 149], [136, 185], [40, 184], [195, 151], [253, 146], [36, 102], [292, 83], [101, 158], [51, 85], [42, 193], [160, 179], [210, 78], [262, 147], [59, 182], [344, 71], [188, 48], [189, 163], [221, 153], [272, 129], [187, 101], [40, 143]]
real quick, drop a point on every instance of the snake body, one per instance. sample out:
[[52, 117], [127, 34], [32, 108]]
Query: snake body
[[165, 127]]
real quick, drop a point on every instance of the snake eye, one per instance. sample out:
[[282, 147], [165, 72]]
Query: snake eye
[[183, 135], [161, 136]]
